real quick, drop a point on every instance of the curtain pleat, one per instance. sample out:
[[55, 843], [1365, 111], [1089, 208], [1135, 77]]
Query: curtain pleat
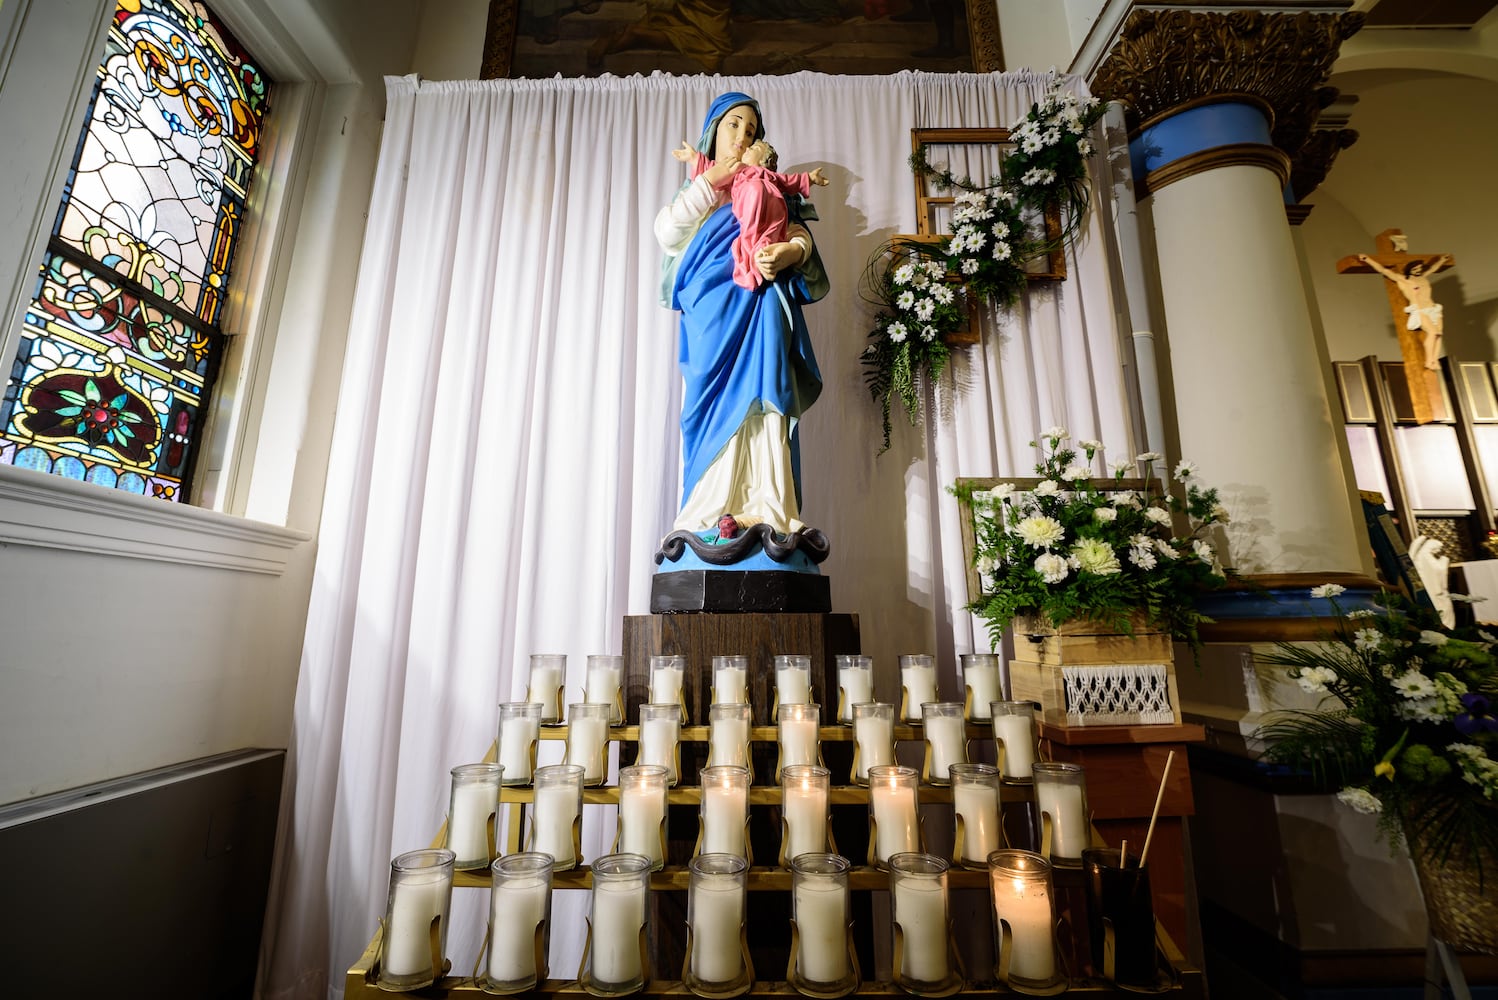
[[506, 453]]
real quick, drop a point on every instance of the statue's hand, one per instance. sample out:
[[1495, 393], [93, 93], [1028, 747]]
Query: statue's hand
[[776, 258], [719, 173], [685, 153], [1363, 257]]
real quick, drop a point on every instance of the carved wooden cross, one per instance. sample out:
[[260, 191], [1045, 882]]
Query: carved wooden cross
[[1392, 253]]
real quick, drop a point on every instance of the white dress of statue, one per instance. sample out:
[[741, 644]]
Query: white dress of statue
[[1435, 573]]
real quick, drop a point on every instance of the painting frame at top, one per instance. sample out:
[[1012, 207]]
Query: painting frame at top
[[543, 38]]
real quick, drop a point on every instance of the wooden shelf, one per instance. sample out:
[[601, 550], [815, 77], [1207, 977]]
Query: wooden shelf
[[757, 879], [771, 734], [759, 795]]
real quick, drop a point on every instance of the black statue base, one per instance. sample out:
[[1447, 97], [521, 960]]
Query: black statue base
[[724, 590]]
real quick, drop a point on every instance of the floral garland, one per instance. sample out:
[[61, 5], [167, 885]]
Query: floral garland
[[921, 289]]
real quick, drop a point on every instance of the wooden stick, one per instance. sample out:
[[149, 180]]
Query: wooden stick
[[1160, 797], [1123, 855]]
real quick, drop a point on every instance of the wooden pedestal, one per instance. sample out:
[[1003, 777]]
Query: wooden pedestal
[[701, 636], [1124, 765]]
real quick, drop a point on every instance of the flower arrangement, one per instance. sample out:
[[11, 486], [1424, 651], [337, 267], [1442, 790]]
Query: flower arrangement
[[1406, 725], [993, 237], [1080, 546]]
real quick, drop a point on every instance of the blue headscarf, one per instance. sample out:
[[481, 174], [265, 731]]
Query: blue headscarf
[[723, 104]]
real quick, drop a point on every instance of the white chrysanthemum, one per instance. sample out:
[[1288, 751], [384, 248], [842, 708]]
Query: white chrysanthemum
[[1220, 514], [1157, 515], [903, 274], [1328, 590], [905, 300], [1361, 800], [1031, 144], [942, 294], [1090, 446], [1002, 250], [1148, 456], [1037, 176], [1047, 488], [1051, 567], [1057, 433], [1185, 469], [1051, 136], [1361, 613], [1084, 146], [897, 332], [1204, 552], [1430, 637], [1315, 679], [1166, 549], [1423, 710], [1076, 473], [1120, 467], [1104, 515], [985, 565], [1367, 640], [1124, 498], [1001, 492], [1144, 558], [970, 266], [1039, 531], [1096, 556], [928, 333], [1414, 684], [1000, 229]]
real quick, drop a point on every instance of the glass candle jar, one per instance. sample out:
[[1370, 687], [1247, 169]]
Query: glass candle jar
[[803, 810], [725, 810], [918, 899], [1014, 737], [792, 681], [668, 681], [642, 813], [799, 738], [1061, 801], [548, 671], [821, 963], [421, 885], [980, 681], [616, 959], [660, 738], [728, 734], [917, 684], [946, 739], [519, 729], [473, 808], [1120, 917], [976, 813], [855, 684], [873, 738], [519, 923], [1024, 920], [894, 813], [556, 814], [716, 965], [605, 684], [588, 740], [730, 680]]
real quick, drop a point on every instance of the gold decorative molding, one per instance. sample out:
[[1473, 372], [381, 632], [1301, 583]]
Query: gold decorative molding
[[1251, 154], [1166, 59], [499, 39], [1313, 160], [983, 37]]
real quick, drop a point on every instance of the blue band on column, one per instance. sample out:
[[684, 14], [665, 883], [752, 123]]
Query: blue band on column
[[1194, 130]]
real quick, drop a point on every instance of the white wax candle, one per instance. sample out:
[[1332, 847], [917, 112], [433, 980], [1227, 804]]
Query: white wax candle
[[585, 741], [805, 812], [658, 738], [408, 948], [1027, 910], [515, 738], [730, 686], [822, 927], [876, 744], [793, 686], [978, 805], [1069, 833], [857, 687], [948, 741], [640, 813], [552, 816], [895, 820], [1017, 734], [618, 915], [602, 686], [982, 683], [468, 827], [665, 686], [516, 910], [920, 687], [546, 684], [921, 912], [728, 742], [725, 810], [717, 922], [798, 741]]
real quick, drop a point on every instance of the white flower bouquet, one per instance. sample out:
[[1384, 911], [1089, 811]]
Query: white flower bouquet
[[1080, 546]]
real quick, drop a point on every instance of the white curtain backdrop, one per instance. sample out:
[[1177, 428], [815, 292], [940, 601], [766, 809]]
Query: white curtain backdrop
[[506, 454]]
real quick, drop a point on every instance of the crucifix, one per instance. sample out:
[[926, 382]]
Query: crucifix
[[1417, 316]]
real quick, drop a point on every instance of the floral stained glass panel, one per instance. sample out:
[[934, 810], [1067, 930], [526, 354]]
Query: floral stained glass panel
[[121, 342]]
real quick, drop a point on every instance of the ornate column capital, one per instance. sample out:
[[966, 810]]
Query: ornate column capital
[[1166, 61]]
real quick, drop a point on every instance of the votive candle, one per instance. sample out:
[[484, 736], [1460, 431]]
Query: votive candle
[[918, 682], [715, 912], [519, 911], [725, 809], [519, 728], [604, 685], [946, 739], [894, 810], [472, 807], [792, 680], [918, 895], [975, 800], [642, 810], [660, 734], [799, 742], [558, 805], [730, 680], [1020, 887], [547, 671], [980, 679], [588, 740], [1061, 797], [421, 885], [1014, 736], [855, 684], [728, 734], [804, 790], [621, 887], [820, 908], [874, 738]]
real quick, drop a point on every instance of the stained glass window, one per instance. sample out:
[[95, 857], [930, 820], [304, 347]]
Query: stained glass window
[[121, 343]]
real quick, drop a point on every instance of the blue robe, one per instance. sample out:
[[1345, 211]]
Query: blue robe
[[742, 352]]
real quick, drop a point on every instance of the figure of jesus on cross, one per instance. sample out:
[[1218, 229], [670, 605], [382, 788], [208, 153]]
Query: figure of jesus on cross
[[1423, 311]]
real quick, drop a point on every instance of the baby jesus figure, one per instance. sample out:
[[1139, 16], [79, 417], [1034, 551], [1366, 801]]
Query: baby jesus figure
[[757, 193]]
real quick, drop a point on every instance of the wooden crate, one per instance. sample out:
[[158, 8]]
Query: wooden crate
[[1116, 679]]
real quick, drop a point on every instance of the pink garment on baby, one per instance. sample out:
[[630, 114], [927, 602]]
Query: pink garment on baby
[[758, 203]]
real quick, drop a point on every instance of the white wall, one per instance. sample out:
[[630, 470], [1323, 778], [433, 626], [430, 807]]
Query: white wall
[[114, 659]]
